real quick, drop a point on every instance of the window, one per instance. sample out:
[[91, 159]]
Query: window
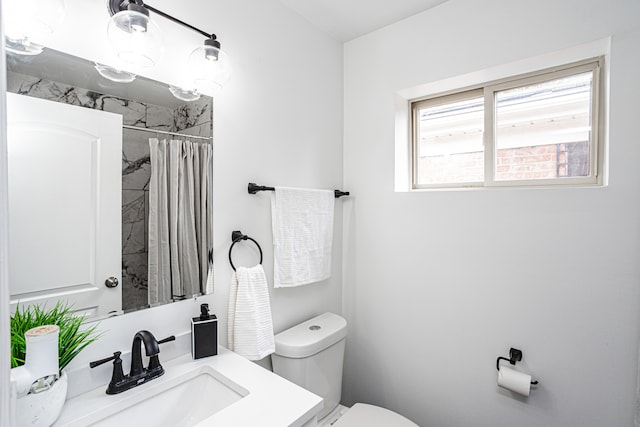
[[538, 129]]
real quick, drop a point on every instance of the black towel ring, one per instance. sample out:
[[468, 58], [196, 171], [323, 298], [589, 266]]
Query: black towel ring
[[236, 236]]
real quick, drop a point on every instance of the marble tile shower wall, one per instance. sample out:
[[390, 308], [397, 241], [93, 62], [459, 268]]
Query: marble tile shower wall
[[193, 118]]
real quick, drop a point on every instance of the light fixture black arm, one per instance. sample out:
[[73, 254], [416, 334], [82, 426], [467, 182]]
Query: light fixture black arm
[[116, 6], [178, 21]]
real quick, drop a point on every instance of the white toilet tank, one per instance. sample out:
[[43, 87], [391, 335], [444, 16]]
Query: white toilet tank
[[311, 355]]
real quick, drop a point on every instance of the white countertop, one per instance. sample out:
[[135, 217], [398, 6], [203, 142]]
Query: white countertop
[[271, 401]]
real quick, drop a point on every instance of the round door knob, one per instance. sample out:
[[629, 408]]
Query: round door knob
[[111, 282]]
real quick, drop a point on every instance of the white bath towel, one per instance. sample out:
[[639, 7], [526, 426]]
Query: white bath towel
[[302, 235], [250, 326]]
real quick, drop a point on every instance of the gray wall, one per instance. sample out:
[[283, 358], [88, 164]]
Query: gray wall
[[438, 284]]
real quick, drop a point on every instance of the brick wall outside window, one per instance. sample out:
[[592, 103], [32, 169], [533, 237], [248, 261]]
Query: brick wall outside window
[[536, 162]]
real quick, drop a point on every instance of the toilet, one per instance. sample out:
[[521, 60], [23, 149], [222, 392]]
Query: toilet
[[311, 355]]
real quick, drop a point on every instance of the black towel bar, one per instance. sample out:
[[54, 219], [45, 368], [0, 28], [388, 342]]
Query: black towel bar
[[236, 236], [253, 188]]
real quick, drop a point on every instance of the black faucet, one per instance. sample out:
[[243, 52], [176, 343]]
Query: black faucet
[[138, 374], [151, 348]]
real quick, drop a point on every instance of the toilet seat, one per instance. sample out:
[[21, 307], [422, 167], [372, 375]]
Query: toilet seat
[[362, 414]]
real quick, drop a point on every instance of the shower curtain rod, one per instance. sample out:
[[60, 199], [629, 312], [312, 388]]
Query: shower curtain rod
[[164, 132]]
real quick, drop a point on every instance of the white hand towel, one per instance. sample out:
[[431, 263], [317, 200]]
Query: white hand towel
[[302, 235], [250, 326]]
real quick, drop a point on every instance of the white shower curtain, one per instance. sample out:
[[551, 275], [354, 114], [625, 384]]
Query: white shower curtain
[[180, 229]]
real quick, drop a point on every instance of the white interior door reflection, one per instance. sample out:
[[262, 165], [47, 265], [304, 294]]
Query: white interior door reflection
[[64, 205]]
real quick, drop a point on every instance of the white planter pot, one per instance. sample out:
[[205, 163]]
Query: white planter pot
[[42, 409]]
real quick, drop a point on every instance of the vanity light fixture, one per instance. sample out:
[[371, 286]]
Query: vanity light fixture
[[133, 35], [136, 39], [28, 23], [209, 67]]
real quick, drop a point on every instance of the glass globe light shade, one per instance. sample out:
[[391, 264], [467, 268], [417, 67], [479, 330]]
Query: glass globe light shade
[[114, 74], [29, 23], [187, 95], [210, 68], [135, 38]]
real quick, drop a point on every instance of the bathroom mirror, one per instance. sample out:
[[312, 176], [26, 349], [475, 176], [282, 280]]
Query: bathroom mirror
[[109, 187]]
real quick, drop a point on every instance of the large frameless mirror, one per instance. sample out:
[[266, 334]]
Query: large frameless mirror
[[110, 192]]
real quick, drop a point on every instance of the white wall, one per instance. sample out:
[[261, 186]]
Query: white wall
[[278, 122], [439, 284]]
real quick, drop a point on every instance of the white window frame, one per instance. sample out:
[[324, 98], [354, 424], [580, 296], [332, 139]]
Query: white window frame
[[596, 155], [432, 102]]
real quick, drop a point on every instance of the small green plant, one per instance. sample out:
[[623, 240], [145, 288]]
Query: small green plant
[[71, 340]]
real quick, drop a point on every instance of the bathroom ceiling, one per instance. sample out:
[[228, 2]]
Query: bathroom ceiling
[[348, 19]]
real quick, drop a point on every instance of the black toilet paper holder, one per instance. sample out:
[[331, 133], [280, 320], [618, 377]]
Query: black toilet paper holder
[[515, 355]]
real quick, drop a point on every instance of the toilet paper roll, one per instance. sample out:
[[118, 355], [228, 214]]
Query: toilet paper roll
[[513, 380]]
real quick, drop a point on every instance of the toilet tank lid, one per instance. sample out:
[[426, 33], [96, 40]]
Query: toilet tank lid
[[312, 336]]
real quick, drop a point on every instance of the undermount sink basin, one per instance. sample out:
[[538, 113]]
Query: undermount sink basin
[[225, 390], [184, 400]]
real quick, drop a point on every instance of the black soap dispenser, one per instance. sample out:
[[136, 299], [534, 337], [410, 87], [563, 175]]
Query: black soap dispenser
[[204, 334]]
